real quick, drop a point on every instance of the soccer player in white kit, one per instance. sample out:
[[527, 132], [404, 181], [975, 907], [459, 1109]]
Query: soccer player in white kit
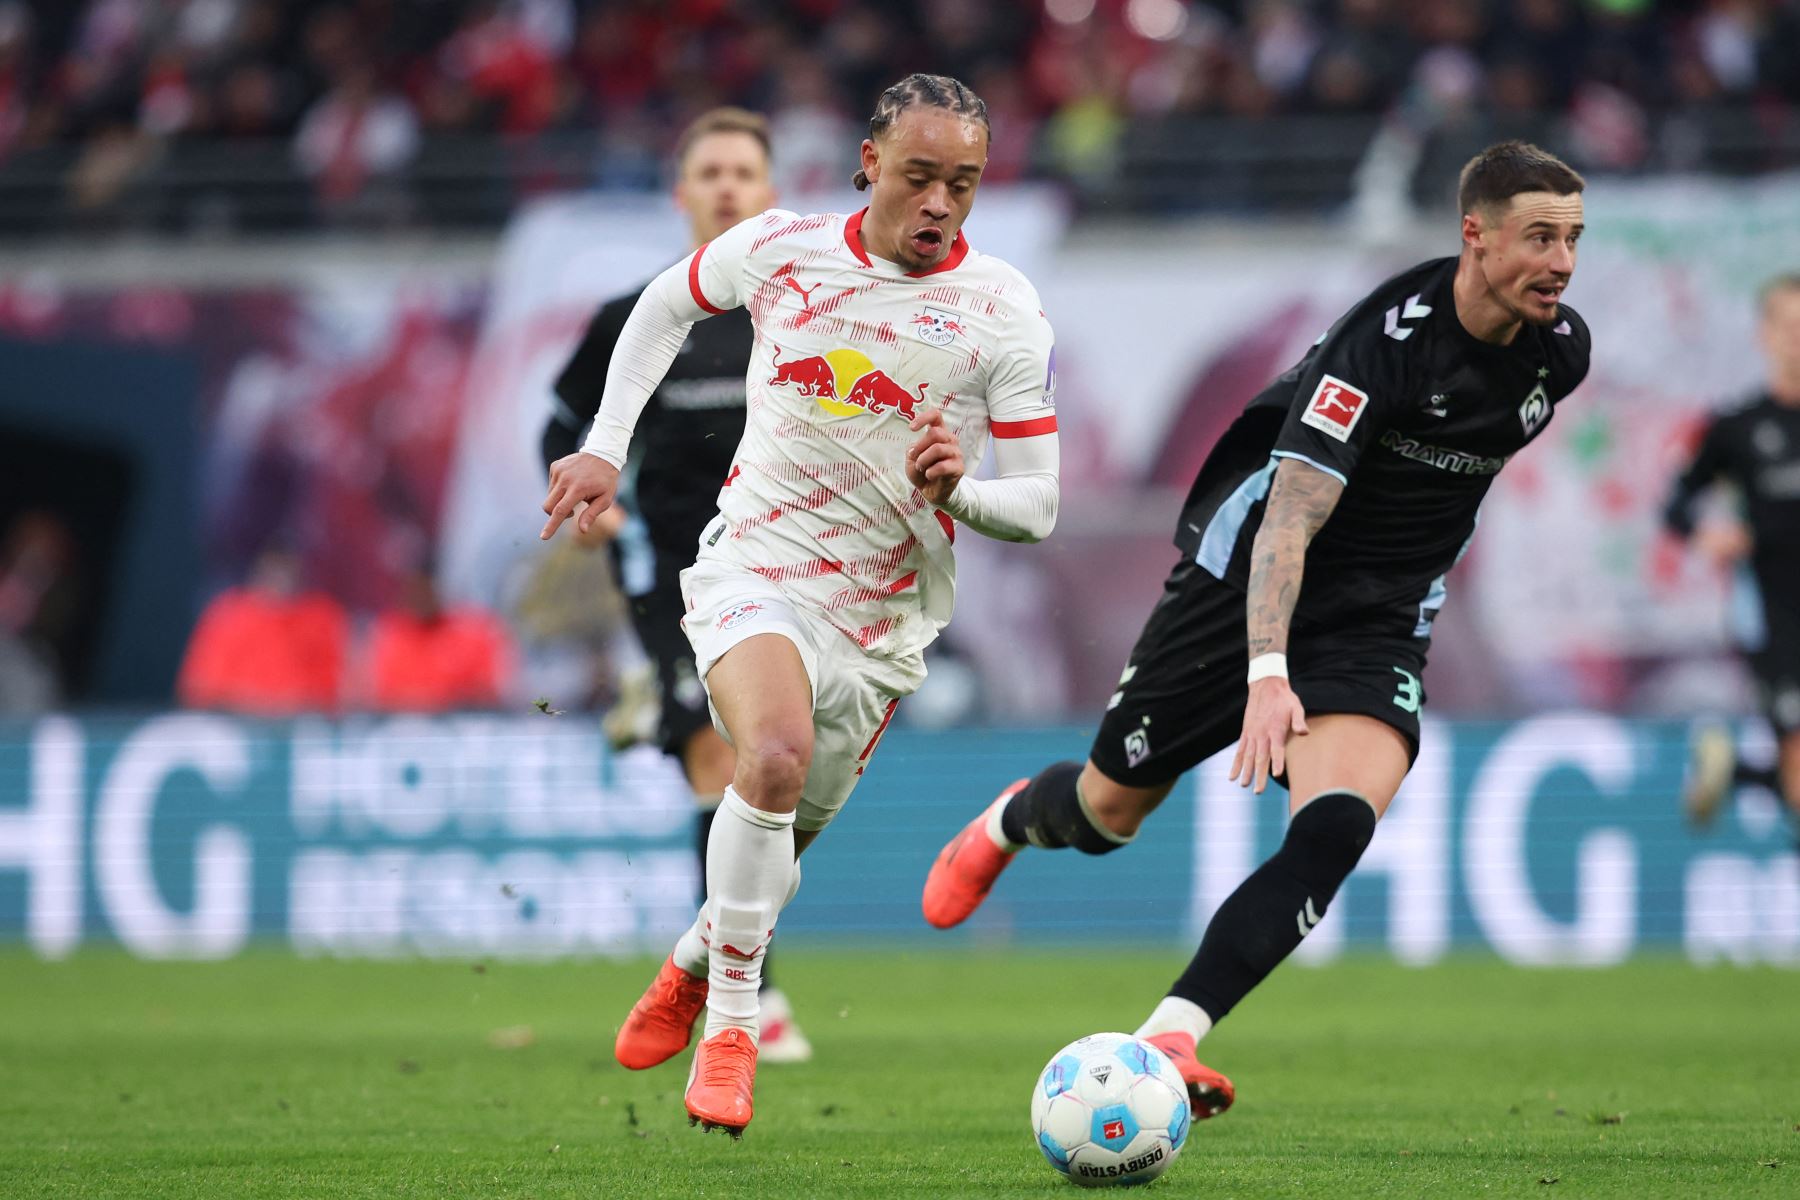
[[888, 351]]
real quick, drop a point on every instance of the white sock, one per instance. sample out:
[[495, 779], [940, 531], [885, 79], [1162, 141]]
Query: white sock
[[690, 953], [690, 949], [749, 874], [995, 833], [1175, 1015]]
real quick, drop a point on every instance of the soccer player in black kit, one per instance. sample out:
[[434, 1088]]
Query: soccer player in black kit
[[685, 441], [1357, 473], [1756, 449]]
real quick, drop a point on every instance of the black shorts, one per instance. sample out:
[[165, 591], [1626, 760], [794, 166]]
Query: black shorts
[[1181, 699], [656, 616], [1777, 669]]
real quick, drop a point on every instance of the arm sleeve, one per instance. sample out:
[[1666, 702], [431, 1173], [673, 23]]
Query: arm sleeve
[[706, 283], [1345, 395], [1709, 463], [1020, 504], [576, 396]]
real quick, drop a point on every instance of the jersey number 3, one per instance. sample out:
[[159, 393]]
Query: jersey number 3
[[1407, 698]]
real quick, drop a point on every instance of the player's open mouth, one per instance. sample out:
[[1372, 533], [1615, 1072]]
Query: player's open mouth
[[927, 242], [1547, 295]]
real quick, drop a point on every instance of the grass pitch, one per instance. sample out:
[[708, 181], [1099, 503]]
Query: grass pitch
[[268, 1076]]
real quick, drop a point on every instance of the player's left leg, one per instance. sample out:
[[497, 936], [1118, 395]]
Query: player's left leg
[[1363, 695], [1342, 775]]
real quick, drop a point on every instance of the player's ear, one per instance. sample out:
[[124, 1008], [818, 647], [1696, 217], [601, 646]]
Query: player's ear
[[1472, 229], [871, 160]]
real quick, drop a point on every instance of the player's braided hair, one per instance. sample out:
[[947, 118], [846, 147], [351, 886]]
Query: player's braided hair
[[922, 91]]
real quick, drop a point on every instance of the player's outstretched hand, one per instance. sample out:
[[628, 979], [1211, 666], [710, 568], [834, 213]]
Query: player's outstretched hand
[[575, 480], [1271, 715], [934, 465]]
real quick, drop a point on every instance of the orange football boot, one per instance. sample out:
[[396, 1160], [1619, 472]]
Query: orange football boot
[[965, 869], [721, 1082], [1209, 1093], [662, 1021]]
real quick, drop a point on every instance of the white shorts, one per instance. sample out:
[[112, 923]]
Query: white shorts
[[854, 693]]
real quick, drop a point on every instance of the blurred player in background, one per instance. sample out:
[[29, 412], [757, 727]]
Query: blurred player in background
[[1361, 471], [1755, 448], [686, 436], [887, 351]]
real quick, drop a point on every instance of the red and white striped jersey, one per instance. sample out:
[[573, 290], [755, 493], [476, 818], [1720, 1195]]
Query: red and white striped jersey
[[848, 348]]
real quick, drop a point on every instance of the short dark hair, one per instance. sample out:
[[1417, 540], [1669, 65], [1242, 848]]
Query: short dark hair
[[723, 120], [1787, 281], [923, 91], [1506, 169]]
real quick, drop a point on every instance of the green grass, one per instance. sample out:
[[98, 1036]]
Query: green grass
[[268, 1076]]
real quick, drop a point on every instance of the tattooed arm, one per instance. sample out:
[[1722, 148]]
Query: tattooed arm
[[1300, 500]]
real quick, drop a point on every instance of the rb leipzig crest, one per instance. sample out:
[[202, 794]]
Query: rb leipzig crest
[[936, 326]]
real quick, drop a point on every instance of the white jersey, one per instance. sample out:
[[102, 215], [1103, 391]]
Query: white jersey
[[848, 348]]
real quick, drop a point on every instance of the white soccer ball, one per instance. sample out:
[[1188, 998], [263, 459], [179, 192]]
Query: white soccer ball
[[1110, 1110]]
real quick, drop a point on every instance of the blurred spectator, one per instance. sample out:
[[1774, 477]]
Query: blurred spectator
[[461, 82], [423, 657], [355, 137], [507, 67], [1364, 60], [268, 648], [818, 142]]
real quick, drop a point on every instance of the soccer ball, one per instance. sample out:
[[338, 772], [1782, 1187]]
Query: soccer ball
[[1110, 1110]]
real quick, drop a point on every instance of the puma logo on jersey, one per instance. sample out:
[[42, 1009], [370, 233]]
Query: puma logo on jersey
[[1414, 311], [1335, 407], [805, 293]]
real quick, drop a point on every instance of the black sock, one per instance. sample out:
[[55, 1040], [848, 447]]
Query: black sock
[[1769, 776], [702, 830], [1048, 814], [1263, 921]]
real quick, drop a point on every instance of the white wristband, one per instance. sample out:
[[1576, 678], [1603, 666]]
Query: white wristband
[[1268, 666]]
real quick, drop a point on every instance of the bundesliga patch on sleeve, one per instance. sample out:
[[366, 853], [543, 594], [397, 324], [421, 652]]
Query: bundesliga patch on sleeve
[[1335, 408]]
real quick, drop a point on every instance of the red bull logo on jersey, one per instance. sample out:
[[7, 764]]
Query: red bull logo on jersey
[[847, 384], [1335, 407]]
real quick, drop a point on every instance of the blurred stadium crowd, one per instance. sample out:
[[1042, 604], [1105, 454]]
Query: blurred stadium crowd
[[265, 113]]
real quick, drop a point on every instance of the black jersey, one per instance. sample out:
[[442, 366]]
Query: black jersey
[[689, 429], [1756, 448], [1416, 416]]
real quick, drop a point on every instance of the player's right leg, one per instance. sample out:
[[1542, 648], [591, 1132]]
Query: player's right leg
[[1179, 700], [762, 691], [1062, 805], [709, 763]]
